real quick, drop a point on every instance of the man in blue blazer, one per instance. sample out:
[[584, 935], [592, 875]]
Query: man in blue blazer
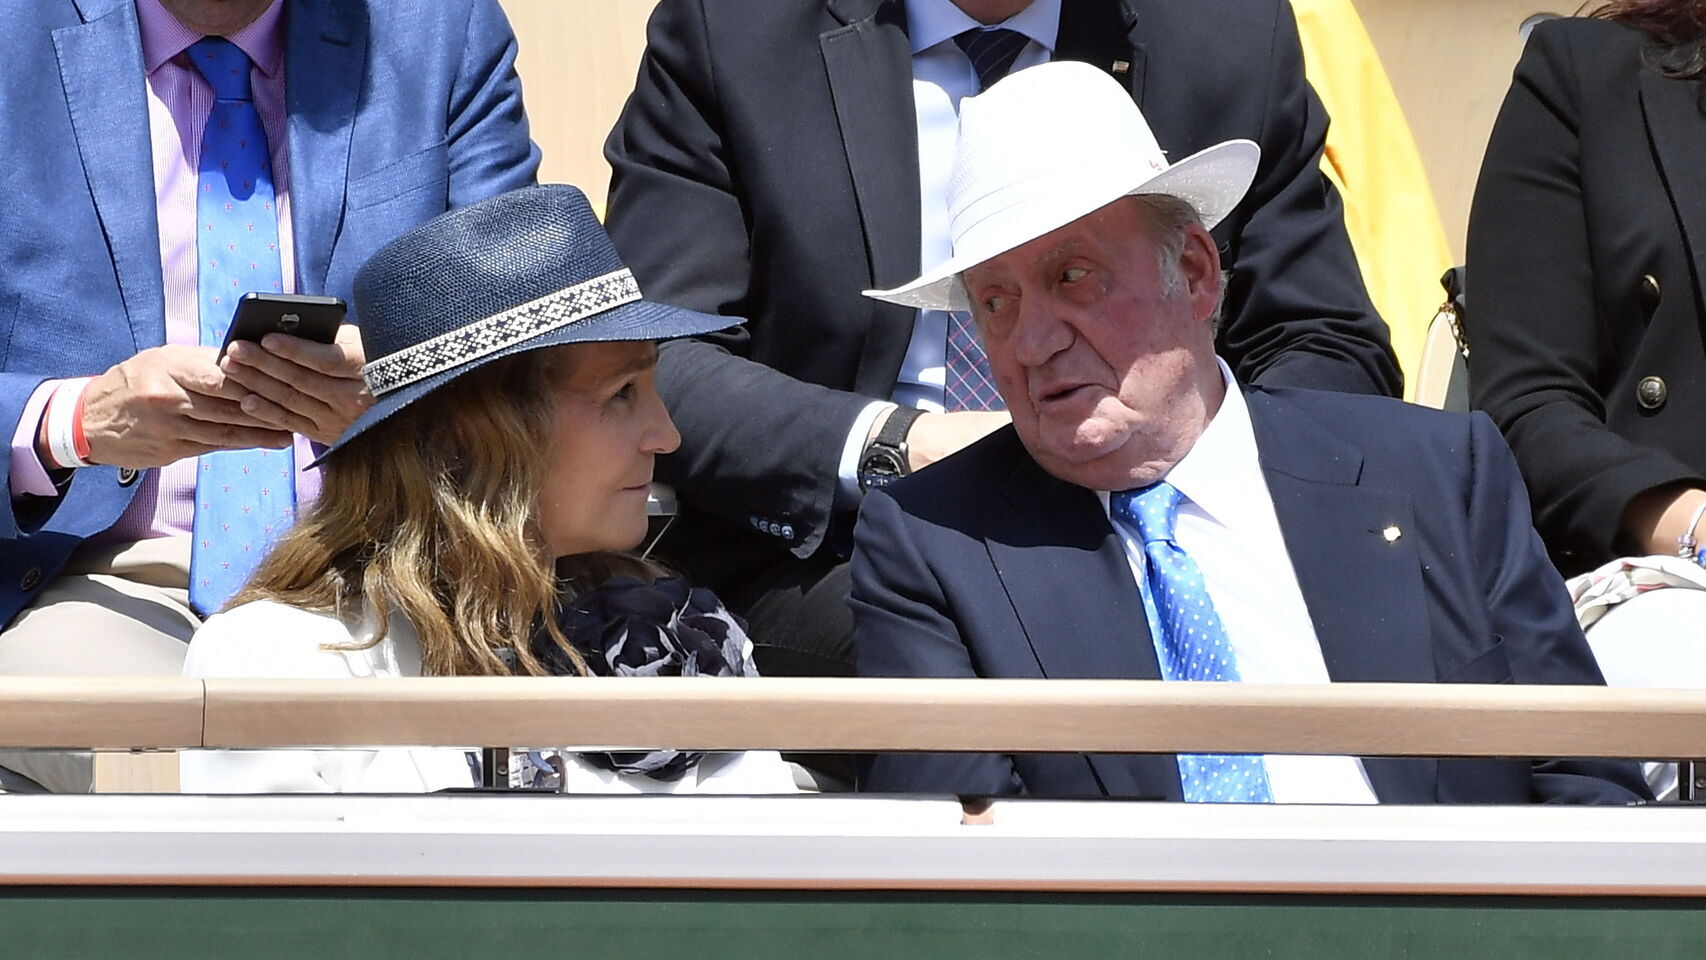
[[378, 116], [1147, 516]]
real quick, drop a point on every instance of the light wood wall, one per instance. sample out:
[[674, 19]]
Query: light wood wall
[[1449, 61], [577, 63]]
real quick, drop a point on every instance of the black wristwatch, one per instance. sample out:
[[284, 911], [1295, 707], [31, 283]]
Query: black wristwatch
[[884, 460]]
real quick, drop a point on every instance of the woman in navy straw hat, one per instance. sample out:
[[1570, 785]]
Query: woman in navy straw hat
[[476, 520]]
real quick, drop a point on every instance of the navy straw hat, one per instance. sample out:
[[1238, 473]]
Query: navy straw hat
[[524, 270]]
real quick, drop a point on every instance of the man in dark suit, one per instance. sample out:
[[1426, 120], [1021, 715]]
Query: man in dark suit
[[363, 119], [798, 152], [1149, 516]]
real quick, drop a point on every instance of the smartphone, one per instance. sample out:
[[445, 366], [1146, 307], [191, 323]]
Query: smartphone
[[311, 318]]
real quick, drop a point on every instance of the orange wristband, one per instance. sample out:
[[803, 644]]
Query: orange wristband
[[63, 411], [79, 442]]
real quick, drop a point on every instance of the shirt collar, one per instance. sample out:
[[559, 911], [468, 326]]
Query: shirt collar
[[1223, 466], [929, 22], [163, 37]]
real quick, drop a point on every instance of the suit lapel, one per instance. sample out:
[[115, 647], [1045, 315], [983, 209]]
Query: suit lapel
[[869, 64], [100, 68], [1363, 590], [1103, 33], [1057, 534], [1066, 574], [870, 79], [325, 56], [1675, 124]]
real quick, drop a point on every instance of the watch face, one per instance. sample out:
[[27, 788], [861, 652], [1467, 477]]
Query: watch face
[[881, 467]]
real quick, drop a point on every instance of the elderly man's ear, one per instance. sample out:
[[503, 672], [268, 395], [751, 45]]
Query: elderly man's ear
[[1199, 265]]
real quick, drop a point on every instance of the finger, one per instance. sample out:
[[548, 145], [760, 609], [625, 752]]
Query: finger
[[197, 370], [279, 393], [329, 391], [226, 436], [349, 338], [280, 417], [192, 438], [318, 416], [216, 411], [341, 358]]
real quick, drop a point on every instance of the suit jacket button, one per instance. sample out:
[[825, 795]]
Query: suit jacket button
[[127, 476], [1651, 393], [1650, 292], [31, 580]]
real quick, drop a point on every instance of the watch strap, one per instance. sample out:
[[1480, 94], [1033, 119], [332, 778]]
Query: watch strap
[[895, 428]]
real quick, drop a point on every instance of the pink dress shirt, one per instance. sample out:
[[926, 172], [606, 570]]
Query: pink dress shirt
[[179, 100]]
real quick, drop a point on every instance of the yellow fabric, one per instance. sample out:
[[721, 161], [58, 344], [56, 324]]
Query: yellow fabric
[[1372, 158]]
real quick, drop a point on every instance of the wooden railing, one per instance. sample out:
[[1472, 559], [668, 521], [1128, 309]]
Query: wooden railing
[[1103, 716]]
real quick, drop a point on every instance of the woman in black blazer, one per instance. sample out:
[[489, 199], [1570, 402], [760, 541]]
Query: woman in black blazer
[[1586, 240]]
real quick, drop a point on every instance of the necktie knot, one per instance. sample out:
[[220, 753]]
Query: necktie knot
[[991, 51], [1152, 510], [225, 66]]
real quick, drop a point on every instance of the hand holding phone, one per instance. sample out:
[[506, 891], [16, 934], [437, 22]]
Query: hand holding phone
[[171, 402], [306, 382], [298, 315]]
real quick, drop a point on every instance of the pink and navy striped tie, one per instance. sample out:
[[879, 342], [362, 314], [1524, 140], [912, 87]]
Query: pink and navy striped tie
[[991, 51], [244, 498], [969, 385]]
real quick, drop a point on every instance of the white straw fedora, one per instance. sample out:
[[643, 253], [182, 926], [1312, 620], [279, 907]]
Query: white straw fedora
[[1048, 145]]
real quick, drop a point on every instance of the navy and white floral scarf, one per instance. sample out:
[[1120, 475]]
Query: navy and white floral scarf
[[631, 628]]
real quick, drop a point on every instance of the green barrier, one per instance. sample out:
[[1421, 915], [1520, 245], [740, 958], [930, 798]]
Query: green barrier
[[328, 924]]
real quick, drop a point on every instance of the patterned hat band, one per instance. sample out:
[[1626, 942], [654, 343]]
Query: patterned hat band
[[499, 332]]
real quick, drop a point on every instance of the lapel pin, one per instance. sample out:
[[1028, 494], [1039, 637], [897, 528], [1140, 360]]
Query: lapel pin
[[1391, 533], [1120, 67]]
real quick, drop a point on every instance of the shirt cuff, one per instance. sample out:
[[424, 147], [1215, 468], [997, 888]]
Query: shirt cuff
[[29, 475], [847, 492]]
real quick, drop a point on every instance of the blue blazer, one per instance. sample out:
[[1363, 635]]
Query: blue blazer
[[397, 112], [986, 565]]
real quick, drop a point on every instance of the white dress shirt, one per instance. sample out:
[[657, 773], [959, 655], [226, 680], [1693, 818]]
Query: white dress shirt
[[1227, 525], [942, 76]]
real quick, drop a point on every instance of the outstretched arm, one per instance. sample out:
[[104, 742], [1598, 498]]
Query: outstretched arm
[[755, 442]]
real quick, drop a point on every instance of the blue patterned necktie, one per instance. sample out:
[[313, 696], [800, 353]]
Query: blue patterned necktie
[[1190, 640], [244, 498], [968, 383]]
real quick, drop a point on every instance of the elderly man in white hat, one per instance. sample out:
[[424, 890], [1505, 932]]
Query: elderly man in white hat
[[799, 150], [1147, 516]]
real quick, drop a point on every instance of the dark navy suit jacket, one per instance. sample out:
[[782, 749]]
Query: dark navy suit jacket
[[397, 111], [986, 565]]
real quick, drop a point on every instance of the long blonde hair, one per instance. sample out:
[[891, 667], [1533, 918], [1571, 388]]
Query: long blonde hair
[[431, 514]]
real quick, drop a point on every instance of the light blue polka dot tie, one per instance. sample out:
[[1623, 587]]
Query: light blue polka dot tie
[[1190, 641], [244, 498]]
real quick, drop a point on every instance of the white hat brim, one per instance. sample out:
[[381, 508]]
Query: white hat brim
[[1212, 180]]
